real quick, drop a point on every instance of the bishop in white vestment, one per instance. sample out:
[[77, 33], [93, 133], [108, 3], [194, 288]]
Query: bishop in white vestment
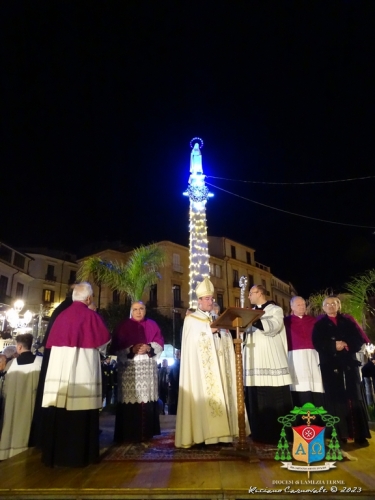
[[203, 415]]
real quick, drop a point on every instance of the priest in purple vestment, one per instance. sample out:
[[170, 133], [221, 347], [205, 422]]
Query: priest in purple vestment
[[138, 343], [73, 389], [303, 359]]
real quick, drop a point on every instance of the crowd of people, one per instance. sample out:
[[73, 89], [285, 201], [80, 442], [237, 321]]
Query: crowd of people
[[287, 362]]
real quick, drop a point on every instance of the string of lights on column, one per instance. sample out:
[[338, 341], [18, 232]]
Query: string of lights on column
[[198, 194]]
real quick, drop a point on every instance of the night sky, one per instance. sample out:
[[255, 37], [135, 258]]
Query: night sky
[[100, 101]]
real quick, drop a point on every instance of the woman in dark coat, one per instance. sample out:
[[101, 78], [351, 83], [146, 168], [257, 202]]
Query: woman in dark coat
[[337, 339]]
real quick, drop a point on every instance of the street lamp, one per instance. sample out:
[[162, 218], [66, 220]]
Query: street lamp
[[14, 319], [18, 305]]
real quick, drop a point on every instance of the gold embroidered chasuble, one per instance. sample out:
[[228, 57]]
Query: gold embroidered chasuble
[[202, 415]]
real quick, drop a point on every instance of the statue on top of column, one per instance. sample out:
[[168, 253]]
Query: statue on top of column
[[196, 160]]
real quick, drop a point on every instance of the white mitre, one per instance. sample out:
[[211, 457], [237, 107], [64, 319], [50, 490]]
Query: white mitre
[[205, 288]]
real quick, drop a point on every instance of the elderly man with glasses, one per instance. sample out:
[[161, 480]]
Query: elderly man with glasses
[[266, 372]]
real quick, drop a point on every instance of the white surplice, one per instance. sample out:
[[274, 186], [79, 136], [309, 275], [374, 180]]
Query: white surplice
[[265, 354], [21, 382], [74, 379], [305, 371]]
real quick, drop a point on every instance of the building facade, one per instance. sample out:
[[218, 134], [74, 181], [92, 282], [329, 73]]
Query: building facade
[[52, 273], [229, 260], [38, 277], [14, 279], [42, 278]]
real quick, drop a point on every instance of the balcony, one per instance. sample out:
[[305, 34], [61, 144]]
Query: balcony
[[261, 266], [281, 287], [177, 268], [50, 277]]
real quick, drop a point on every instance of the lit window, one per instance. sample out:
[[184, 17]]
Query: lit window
[[48, 296]]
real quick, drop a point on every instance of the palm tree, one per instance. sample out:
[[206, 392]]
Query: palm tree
[[132, 277], [360, 288]]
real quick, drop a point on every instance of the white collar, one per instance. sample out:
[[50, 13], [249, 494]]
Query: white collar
[[206, 313]]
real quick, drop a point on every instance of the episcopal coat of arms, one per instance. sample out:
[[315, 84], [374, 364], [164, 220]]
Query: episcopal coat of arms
[[308, 439]]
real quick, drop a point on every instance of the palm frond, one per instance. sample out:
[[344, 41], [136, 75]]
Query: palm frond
[[315, 303], [132, 277], [142, 268], [360, 288], [101, 271]]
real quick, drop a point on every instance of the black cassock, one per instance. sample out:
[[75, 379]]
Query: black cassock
[[344, 395], [40, 413]]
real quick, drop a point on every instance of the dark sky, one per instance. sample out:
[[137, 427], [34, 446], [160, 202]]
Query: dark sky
[[101, 99]]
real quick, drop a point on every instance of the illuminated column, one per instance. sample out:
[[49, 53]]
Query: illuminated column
[[198, 194]]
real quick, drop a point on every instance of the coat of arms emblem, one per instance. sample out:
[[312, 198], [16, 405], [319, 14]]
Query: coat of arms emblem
[[309, 444]]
